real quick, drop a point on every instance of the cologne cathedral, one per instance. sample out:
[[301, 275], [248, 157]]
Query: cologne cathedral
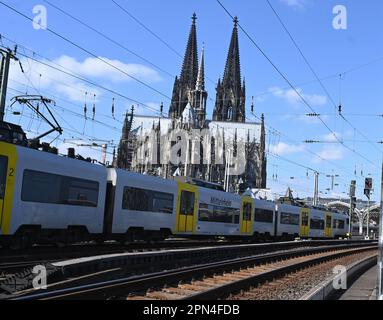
[[147, 141]]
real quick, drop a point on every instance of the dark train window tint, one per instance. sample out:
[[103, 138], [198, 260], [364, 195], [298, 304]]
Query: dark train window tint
[[50, 188], [290, 219], [338, 224], [211, 213], [135, 199], [328, 222], [262, 215], [317, 224], [246, 212], [3, 175], [305, 219], [187, 203]]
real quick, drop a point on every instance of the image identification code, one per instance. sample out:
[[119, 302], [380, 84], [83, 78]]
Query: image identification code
[[219, 310]]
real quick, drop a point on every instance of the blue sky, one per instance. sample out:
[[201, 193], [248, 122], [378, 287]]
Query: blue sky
[[358, 50]]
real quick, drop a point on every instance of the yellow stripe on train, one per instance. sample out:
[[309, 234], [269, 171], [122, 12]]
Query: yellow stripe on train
[[8, 151]]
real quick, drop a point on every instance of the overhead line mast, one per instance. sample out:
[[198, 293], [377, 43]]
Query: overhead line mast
[[6, 57]]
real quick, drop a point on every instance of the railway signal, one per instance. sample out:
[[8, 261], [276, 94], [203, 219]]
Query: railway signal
[[352, 204], [367, 193]]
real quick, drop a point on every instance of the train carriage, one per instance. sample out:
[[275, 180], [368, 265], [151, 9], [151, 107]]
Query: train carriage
[[42, 194], [142, 206], [341, 225], [290, 223], [316, 223], [222, 214], [264, 219]]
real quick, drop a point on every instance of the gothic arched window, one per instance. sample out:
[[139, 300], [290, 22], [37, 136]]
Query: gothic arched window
[[229, 113]]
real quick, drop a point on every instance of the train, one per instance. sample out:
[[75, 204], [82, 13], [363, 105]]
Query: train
[[47, 198]]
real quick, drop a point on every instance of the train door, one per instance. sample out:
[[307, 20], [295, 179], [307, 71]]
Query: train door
[[247, 216], [305, 223], [187, 206], [3, 180], [328, 226]]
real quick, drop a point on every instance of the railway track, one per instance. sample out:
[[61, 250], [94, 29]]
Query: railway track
[[90, 249], [53, 254], [217, 280], [13, 261]]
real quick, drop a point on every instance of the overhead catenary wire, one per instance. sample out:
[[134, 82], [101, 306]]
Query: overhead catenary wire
[[70, 129], [79, 115], [305, 102], [88, 52], [123, 9], [93, 83], [117, 43], [317, 77]]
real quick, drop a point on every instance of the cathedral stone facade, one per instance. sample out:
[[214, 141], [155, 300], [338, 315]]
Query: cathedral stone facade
[[147, 142]]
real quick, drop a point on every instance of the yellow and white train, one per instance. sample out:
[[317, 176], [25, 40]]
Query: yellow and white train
[[49, 198]]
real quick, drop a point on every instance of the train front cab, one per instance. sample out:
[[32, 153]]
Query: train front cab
[[8, 159], [187, 209], [247, 216]]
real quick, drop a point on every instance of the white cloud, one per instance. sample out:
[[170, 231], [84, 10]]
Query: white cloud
[[292, 97], [294, 3], [332, 153], [332, 137], [95, 68], [284, 148], [52, 81]]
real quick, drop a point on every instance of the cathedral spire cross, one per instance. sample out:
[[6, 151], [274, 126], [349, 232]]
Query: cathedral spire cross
[[194, 17], [236, 21]]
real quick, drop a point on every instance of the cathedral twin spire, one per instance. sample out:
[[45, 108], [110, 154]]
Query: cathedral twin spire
[[184, 85], [189, 71], [231, 94], [190, 87]]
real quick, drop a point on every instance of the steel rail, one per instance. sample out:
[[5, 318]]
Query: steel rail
[[123, 287]]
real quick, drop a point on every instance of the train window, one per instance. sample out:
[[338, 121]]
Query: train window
[[211, 213], [50, 188], [305, 219], [262, 215], [80, 192], [290, 219], [3, 175], [317, 224], [136, 199], [338, 224], [328, 222], [187, 203], [246, 212]]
